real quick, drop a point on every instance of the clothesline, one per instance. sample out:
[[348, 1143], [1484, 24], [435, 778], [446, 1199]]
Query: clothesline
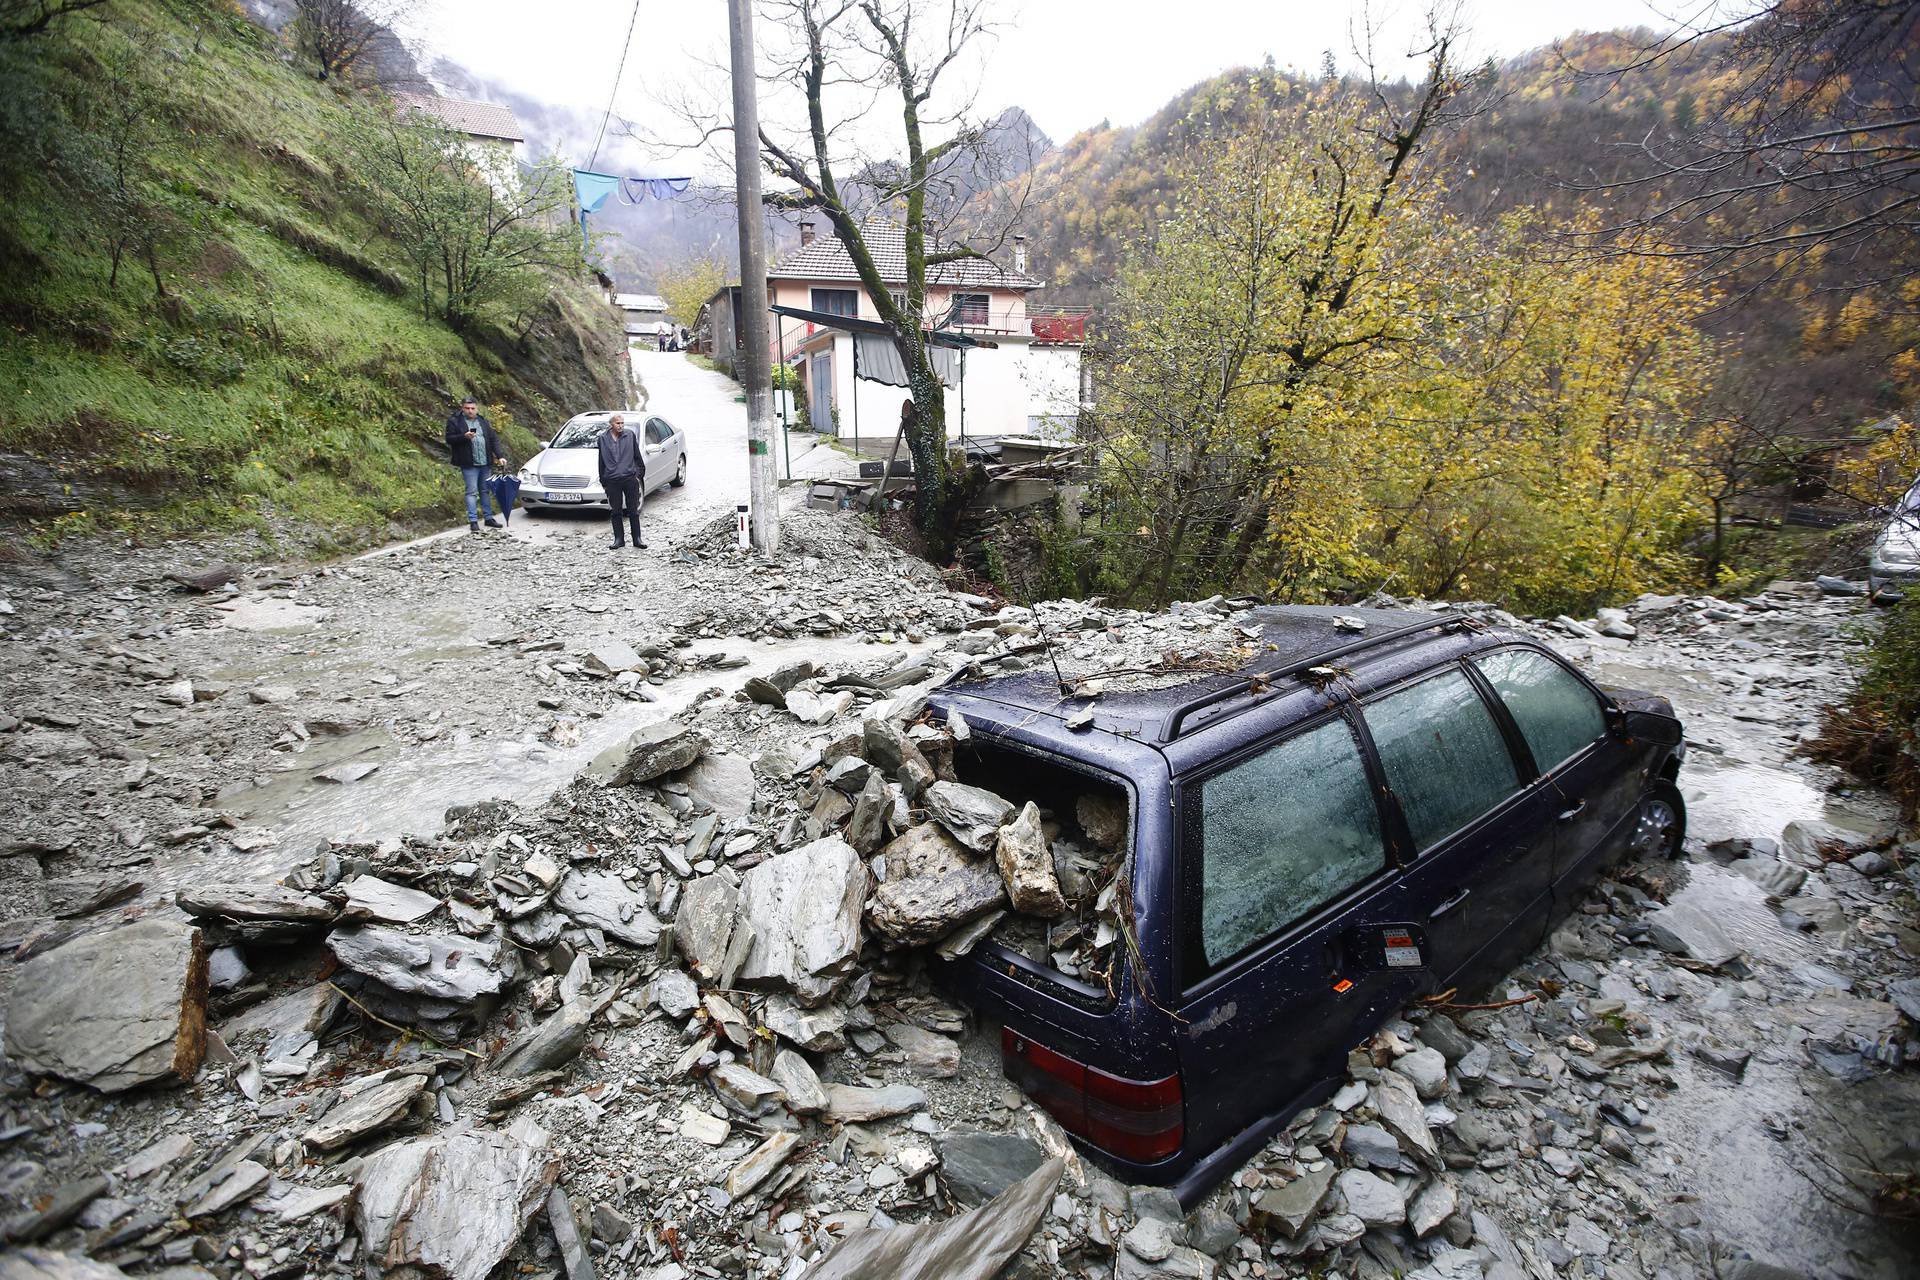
[[592, 190]]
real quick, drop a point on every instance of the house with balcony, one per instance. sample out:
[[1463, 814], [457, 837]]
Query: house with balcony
[[1016, 370]]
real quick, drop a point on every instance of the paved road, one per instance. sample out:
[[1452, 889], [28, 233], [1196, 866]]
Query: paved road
[[704, 405]]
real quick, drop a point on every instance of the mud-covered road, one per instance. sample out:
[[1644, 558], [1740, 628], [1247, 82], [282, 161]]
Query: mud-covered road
[[155, 736]]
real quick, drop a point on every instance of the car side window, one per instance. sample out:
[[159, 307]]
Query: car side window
[[1443, 753], [1282, 834], [656, 431], [1557, 714]]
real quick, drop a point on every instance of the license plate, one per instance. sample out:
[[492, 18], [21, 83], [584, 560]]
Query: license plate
[[566, 497]]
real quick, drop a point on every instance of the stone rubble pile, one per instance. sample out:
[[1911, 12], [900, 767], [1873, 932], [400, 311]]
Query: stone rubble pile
[[678, 1021]]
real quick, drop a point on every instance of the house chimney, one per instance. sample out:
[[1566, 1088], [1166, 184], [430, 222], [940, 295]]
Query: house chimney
[[1020, 253], [806, 233]]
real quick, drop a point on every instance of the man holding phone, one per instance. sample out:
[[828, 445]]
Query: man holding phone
[[472, 447]]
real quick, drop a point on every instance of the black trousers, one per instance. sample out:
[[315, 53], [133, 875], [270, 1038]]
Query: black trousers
[[623, 498]]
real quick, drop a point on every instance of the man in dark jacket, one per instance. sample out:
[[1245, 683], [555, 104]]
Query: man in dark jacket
[[472, 447], [623, 474]]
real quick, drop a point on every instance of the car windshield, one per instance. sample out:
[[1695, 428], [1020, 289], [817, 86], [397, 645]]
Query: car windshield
[[580, 433]]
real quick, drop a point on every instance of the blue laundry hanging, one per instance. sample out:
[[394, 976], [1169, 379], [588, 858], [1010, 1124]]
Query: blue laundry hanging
[[592, 189]]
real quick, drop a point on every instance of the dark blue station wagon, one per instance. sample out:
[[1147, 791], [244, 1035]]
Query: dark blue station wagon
[[1348, 822]]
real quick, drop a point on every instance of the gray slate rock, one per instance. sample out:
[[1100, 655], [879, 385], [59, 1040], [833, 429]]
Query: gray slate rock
[[1295, 1205], [371, 898], [376, 1106], [974, 1245], [803, 907], [723, 783], [973, 814], [552, 1044], [977, 1166], [931, 885], [858, 1104], [649, 752], [269, 903], [456, 969], [113, 1010], [454, 1205], [603, 900], [1684, 930], [1025, 859], [1371, 1198], [708, 932]]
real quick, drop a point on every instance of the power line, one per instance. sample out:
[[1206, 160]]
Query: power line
[[611, 93]]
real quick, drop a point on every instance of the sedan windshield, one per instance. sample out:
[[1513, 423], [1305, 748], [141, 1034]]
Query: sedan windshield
[[580, 433]]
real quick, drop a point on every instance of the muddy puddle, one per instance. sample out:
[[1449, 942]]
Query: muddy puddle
[[414, 784], [1754, 1160]]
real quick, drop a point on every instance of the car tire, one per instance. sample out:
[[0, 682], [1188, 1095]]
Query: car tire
[[1660, 824], [680, 473]]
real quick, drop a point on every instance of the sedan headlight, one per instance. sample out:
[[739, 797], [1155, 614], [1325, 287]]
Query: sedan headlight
[[527, 476]]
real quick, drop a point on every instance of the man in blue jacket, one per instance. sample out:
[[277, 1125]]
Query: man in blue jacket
[[623, 474], [472, 447]]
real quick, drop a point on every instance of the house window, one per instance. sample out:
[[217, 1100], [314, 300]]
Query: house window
[[971, 309], [899, 299], [837, 302]]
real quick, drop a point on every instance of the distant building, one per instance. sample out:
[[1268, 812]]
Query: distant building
[[1027, 381], [644, 312], [491, 129]]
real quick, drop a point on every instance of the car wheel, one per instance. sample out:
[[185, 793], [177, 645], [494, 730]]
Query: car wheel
[[1661, 824], [680, 473]]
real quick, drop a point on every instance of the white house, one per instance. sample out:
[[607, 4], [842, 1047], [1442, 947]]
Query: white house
[[493, 131], [1023, 378], [643, 312]]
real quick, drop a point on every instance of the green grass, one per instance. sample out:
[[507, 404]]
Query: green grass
[[289, 383]]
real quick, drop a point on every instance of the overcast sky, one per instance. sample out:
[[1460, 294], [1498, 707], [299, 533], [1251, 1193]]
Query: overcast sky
[[1069, 63]]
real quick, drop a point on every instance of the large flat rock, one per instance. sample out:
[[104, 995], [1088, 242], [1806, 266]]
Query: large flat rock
[[604, 900], [438, 966], [115, 1009], [804, 909], [930, 885], [453, 1205]]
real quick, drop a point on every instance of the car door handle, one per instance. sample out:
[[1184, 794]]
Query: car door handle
[[1568, 815], [1449, 905]]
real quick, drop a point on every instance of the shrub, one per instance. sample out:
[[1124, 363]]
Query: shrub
[[1874, 733]]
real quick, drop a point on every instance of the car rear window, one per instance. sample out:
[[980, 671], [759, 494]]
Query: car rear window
[[1444, 755], [1283, 833], [1557, 714]]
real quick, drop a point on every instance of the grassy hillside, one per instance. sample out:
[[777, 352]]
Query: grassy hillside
[[279, 374]]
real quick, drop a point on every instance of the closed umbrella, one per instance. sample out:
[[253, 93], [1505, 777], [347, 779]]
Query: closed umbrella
[[505, 488]]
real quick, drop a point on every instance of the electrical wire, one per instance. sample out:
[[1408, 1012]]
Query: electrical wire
[[611, 93]]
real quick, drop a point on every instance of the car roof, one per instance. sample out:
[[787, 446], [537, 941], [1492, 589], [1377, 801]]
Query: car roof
[[1292, 638]]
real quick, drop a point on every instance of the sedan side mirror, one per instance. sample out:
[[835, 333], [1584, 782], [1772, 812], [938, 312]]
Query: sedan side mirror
[[1651, 726], [543, 443]]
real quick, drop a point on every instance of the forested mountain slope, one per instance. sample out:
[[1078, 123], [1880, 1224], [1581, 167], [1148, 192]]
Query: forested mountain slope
[[1555, 134]]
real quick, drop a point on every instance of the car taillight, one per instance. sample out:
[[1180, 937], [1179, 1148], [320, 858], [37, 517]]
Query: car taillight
[[1137, 1120]]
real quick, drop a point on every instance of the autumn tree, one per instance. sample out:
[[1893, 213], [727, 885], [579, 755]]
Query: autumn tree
[[687, 284]]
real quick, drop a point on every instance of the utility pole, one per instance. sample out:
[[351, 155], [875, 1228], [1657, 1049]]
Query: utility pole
[[763, 493]]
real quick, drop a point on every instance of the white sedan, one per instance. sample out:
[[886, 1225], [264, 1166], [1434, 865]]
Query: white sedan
[[1894, 564], [566, 471]]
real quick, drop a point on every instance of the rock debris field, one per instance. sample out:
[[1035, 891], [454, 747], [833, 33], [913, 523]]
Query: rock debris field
[[647, 993]]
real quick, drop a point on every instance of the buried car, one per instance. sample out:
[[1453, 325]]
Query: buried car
[[1376, 806], [566, 471]]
